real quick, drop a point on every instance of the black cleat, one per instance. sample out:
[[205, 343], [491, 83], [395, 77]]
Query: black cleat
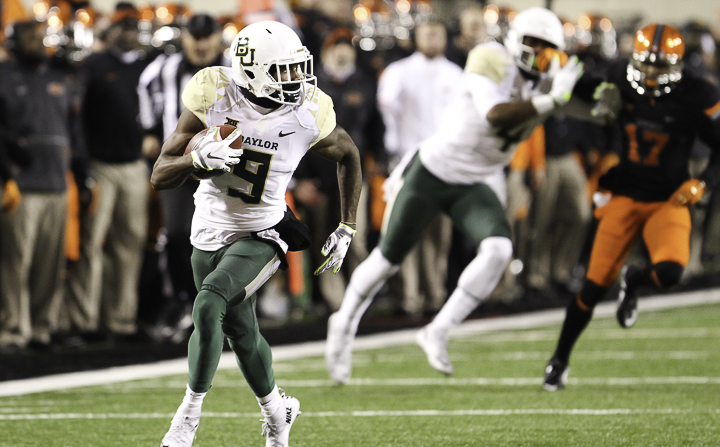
[[627, 312], [556, 374]]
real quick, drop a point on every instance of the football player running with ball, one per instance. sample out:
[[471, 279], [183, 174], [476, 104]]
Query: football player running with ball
[[661, 110], [459, 171], [242, 226]]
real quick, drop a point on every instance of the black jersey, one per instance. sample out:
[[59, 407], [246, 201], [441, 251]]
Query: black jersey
[[658, 135]]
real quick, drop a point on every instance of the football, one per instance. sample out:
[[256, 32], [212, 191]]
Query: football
[[194, 143], [543, 59]]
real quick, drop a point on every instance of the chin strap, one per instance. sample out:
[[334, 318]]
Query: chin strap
[[262, 102]]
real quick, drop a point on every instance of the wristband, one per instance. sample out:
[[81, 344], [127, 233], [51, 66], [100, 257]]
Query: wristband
[[352, 230], [543, 103]]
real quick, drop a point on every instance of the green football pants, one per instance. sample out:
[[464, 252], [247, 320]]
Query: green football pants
[[225, 307], [474, 209]]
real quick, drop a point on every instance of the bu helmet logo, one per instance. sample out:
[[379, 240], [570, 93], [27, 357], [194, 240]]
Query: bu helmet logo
[[243, 51]]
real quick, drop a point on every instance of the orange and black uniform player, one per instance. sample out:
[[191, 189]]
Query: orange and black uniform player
[[664, 108]]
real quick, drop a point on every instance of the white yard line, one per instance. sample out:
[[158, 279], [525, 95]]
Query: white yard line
[[510, 381], [346, 414], [430, 381], [600, 334], [312, 349]]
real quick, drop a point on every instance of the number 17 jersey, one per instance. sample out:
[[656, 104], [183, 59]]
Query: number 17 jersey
[[252, 196], [658, 135]]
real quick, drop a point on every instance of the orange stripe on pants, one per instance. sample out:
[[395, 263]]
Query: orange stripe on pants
[[665, 229]]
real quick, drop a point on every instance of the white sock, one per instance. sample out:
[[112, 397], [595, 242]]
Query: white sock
[[366, 281], [456, 309], [270, 404], [350, 302], [191, 405], [476, 282]]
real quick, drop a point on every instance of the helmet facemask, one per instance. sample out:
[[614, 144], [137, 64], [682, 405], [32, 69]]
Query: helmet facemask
[[527, 59], [289, 80], [653, 79], [656, 64]]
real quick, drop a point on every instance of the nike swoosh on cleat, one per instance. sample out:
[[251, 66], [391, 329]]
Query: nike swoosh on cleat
[[281, 134]]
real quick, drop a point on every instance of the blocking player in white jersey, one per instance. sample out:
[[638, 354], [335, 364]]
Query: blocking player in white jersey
[[242, 227], [459, 171]]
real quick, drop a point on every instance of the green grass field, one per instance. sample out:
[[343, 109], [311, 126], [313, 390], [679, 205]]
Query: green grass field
[[657, 384]]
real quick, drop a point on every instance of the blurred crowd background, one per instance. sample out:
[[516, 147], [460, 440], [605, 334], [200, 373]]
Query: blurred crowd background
[[89, 253]]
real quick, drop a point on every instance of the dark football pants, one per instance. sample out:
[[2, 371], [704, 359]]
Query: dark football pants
[[474, 209], [222, 308]]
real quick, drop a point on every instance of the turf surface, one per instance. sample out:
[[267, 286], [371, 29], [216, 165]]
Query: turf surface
[[657, 384]]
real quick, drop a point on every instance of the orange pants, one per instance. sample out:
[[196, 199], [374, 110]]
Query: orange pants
[[665, 229]]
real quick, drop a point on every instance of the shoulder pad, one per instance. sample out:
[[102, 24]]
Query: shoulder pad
[[489, 60], [320, 105]]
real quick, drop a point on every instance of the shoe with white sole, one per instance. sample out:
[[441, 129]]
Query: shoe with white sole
[[278, 435], [338, 349], [627, 312], [556, 374], [435, 344], [182, 432]]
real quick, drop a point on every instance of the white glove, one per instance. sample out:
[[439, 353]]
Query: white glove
[[563, 81], [216, 153], [336, 248]]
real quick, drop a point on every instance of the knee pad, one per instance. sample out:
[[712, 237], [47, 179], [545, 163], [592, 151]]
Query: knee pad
[[372, 273], [484, 272], [499, 248], [667, 274]]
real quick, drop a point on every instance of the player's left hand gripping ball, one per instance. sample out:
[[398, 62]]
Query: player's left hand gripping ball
[[689, 193], [336, 248]]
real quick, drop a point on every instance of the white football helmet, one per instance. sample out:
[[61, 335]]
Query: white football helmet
[[535, 22], [264, 55]]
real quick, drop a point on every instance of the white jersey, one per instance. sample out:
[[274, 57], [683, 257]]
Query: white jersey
[[467, 149], [252, 196]]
